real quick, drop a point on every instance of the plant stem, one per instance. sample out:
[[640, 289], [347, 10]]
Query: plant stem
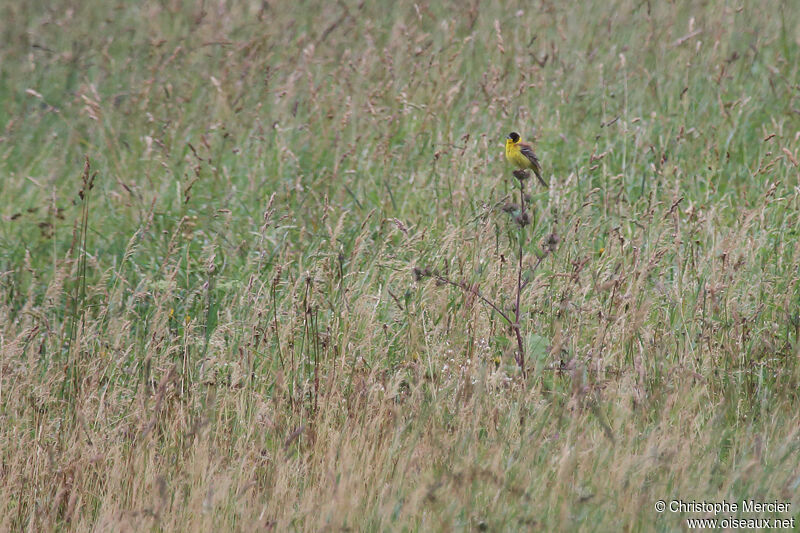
[[520, 345], [477, 293]]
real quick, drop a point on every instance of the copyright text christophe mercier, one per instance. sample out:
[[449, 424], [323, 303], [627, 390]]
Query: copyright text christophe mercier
[[726, 507], [724, 510]]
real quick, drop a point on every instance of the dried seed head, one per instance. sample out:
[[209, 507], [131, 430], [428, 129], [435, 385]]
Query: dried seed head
[[510, 207], [420, 273], [552, 241], [523, 219], [522, 175]]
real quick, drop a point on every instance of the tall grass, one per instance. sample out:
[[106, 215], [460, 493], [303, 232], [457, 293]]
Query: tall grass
[[226, 333]]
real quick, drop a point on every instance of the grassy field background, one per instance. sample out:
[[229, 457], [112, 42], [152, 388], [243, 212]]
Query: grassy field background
[[211, 213]]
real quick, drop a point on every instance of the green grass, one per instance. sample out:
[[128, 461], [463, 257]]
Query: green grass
[[225, 332]]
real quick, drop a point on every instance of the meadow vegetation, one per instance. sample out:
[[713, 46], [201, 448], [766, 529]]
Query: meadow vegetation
[[212, 213]]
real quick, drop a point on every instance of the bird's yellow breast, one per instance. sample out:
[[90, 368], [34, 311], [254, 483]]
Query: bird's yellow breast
[[515, 157]]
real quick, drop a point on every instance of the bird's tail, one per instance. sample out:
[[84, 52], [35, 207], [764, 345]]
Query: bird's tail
[[538, 173]]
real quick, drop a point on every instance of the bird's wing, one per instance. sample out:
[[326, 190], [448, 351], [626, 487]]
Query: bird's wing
[[527, 151]]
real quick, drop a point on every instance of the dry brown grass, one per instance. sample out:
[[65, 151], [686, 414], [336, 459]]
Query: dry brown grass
[[225, 333]]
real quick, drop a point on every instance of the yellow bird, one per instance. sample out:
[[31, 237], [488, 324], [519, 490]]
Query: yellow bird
[[521, 155]]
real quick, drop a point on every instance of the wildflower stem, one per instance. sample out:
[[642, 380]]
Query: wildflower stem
[[477, 293], [520, 346]]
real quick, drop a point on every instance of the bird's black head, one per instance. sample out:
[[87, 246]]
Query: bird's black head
[[514, 136]]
